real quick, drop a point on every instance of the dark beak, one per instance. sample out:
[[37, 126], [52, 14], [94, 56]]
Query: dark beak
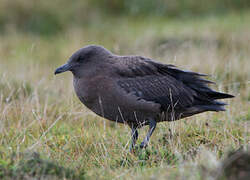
[[63, 68]]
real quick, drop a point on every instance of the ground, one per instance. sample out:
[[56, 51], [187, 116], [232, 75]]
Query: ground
[[46, 132]]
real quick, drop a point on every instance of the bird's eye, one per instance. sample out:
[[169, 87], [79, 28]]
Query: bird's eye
[[84, 57], [79, 59]]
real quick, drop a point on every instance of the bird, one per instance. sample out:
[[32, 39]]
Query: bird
[[137, 90]]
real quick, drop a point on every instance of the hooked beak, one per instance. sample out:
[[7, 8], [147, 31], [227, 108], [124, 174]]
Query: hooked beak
[[63, 68]]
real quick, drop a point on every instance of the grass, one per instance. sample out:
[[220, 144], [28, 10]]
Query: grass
[[39, 113]]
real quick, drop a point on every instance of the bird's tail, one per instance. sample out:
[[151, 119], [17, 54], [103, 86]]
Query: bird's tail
[[206, 98], [203, 108], [218, 95]]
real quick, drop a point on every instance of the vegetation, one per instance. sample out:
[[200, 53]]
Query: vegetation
[[40, 114]]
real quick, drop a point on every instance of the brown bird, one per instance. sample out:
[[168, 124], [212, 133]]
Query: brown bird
[[137, 90]]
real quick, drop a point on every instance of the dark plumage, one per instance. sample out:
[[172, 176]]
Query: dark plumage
[[138, 91]]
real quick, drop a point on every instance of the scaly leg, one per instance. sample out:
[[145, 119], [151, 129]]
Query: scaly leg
[[134, 138], [152, 125]]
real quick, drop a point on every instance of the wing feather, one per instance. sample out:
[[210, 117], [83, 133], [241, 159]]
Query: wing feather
[[164, 84], [141, 77]]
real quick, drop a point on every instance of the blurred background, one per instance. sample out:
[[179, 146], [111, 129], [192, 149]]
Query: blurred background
[[49, 31], [51, 17], [39, 112]]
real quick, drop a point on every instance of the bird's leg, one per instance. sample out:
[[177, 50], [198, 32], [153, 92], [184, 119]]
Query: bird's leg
[[134, 138], [152, 125]]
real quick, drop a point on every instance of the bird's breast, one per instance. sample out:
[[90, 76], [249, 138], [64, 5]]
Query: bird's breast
[[90, 90], [83, 90]]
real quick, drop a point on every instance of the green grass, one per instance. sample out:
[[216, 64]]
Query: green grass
[[40, 112]]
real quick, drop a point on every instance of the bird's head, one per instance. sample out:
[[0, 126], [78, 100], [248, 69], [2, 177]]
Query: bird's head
[[81, 58]]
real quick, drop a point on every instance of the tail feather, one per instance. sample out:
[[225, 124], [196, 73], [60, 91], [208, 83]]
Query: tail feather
[[212, 107], [218, 95], [200, 85], [194, 81], [200, 109], [205, 99]]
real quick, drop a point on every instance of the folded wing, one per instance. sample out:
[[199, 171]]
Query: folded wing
[[166, 85]]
